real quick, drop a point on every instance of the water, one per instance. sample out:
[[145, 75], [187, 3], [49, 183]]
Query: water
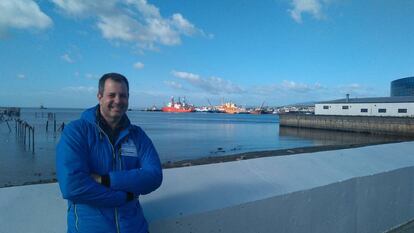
[[176, 136]]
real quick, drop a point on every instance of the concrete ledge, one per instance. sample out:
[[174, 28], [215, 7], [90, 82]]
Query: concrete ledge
[[362, 204], [368, 189]]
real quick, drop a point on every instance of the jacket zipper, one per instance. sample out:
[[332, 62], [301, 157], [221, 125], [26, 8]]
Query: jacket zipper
[[116, 209], [76, 217], [120, 159], [114, 169]]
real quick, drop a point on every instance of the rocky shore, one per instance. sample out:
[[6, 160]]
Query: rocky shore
[[260, 154]]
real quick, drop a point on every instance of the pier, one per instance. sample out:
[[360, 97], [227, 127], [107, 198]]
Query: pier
[[9, 112], [401, 126], [25, 133]]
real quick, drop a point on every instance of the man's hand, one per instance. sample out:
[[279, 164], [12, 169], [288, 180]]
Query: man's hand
[[97, 178], [103, 180]]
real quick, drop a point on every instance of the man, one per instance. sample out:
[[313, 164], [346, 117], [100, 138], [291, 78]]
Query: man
[[104, 163]]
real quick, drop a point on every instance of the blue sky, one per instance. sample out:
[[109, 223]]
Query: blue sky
[[277, 51]]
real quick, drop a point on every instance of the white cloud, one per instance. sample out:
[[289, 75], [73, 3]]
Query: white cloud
[[186, 75], [312, 7], [212, 85], [299, 87], [21, 76], [356, 90], [173, 84], [120, 27], [91, 76], [67, 58], [72, 54], [82, 8], [22, 14], [132, 21], [72, 6], [139, 65], [302, 92], [147, 10], [287, 87], [80, 89], [183, 25]]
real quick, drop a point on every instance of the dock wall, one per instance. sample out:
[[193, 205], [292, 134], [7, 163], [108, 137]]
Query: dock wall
[[367, 189], [401, 126]]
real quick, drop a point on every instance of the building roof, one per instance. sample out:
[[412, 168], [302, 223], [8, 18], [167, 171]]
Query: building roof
[[394, 99], [402, 79]]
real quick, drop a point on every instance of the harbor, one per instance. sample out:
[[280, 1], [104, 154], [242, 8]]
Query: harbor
[[181, 140], [293, 116], [181, 105]]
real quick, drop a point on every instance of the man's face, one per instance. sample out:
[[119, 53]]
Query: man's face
[[113, 100]]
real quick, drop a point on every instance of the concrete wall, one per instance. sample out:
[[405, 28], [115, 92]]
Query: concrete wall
[[402, 126], [354, 109], [367, 189], [370, 204]]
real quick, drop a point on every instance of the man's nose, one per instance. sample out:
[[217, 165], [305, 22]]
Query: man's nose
[[117, 99]]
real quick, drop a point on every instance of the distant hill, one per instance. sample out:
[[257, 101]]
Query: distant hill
[[304, 104]]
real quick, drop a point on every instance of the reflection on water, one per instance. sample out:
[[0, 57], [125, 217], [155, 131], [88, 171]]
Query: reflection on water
[[331, 137]]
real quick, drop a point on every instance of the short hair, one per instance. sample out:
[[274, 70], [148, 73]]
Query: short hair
[[113, 76]]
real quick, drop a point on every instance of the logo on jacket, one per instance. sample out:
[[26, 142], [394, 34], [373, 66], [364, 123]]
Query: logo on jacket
[[128, 148]]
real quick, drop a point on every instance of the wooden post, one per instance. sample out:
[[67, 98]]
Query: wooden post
[[28, 138], [20, 128], [24, 134], [47, 125], [7, 122], [33, 150]]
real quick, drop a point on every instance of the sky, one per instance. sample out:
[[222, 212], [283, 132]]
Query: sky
[[276, 52]]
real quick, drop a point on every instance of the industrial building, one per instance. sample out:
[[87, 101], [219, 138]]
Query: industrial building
[[403, 87], [400, 104], [396, 106]]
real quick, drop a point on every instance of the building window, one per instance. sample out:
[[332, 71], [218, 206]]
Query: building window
[[382, 110], [345, 107], [325, 107], [364, 109], [402, 110]]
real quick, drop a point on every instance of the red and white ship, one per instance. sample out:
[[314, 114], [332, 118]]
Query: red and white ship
[[179, 106]]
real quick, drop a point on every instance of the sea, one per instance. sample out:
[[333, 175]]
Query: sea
[[176, 136]]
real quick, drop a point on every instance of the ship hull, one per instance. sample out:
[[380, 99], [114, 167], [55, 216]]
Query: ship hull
[[171, 109]]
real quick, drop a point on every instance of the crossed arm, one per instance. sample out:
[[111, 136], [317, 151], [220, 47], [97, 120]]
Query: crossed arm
[[80, 185]]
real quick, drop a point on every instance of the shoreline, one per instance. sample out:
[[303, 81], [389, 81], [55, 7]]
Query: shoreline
[[269, 153], [234, 157]]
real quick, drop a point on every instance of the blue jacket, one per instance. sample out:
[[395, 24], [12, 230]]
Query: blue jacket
[[132, 164]]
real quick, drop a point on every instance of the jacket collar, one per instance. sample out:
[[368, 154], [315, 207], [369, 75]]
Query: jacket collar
[[91, 116]]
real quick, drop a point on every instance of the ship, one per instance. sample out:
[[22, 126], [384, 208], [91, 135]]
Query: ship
[[178, 106], [153, 109], [231, 108], [259, 110]]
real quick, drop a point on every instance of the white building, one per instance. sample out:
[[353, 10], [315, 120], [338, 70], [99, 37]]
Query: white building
[[399, 106]]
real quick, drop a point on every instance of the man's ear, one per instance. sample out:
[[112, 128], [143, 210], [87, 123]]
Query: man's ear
[[99, 96]]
